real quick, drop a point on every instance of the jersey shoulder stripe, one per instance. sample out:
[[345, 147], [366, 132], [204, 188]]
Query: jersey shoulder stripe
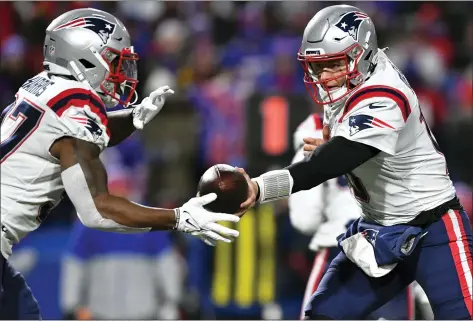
[[78, 97], [378, 91]]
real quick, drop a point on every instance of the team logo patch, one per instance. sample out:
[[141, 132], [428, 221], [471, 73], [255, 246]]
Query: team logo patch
[[360, 122], [94, 128], [350, 23], [103, 28], [90, 124], [370, 235]]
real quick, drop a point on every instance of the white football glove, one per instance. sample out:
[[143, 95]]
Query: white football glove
[[150, 106], [194, 219]]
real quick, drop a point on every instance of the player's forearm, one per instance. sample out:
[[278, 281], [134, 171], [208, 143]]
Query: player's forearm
[[131, 214], [335, 158], [97, 209], [120, 124], [332, 159]]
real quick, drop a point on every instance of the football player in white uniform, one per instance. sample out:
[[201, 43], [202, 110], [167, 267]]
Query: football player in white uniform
[[412, 225], [52, 136], [325, 212]]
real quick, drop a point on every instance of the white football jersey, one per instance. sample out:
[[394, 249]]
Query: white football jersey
[[410, 174], [46, 109], [325, 210]]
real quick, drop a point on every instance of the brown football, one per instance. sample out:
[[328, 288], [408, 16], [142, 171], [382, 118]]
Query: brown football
[[229, 185]]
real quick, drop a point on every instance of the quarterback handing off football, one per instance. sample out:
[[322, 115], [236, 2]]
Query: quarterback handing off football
[[229, 185]]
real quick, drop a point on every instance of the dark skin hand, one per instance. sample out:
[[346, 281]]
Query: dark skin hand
[[71, 151], [120, 124]]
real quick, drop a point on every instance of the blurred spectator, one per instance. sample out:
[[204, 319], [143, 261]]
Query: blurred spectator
[[12, 67]]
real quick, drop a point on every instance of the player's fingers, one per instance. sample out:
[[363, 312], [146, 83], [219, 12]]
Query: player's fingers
[[313, 141], [251, 193], [309, 140], [241, 170], [241, 213], [138, 123], [169, 92], [222, 230], [151, 106], [207, 240], [326, 132], [216, 217], [249, 202], [206, 199], [158, 92], [216, 237], [309, 148]]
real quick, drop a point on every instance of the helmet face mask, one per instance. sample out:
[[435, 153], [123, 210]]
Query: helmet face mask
[[121, 80], [343, 66]]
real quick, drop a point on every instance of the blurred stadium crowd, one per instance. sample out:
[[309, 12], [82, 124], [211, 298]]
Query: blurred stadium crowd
[[218, 56]]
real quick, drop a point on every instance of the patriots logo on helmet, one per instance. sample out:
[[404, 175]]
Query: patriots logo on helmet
[[103, 28], [370, 235], [360, 122], [350, 22]]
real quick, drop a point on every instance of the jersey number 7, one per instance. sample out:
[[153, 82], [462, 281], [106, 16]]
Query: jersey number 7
[[20, 121]]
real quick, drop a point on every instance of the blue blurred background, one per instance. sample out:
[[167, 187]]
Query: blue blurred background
[[239, 96]]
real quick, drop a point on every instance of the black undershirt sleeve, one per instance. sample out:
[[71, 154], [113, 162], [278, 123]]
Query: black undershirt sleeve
[[336, 157]]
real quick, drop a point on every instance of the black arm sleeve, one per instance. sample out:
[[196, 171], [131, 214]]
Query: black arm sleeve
[[336, 157]]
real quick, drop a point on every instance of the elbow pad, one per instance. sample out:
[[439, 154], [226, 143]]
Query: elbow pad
[[77, 189]]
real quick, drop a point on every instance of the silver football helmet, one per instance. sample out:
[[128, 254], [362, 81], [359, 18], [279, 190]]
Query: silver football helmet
[[338, 34], [93, 46]]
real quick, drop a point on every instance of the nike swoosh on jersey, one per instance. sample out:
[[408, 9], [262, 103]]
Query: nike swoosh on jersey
[[374, 106]]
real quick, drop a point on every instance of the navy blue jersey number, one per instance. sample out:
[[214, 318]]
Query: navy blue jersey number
[[22, 120]]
